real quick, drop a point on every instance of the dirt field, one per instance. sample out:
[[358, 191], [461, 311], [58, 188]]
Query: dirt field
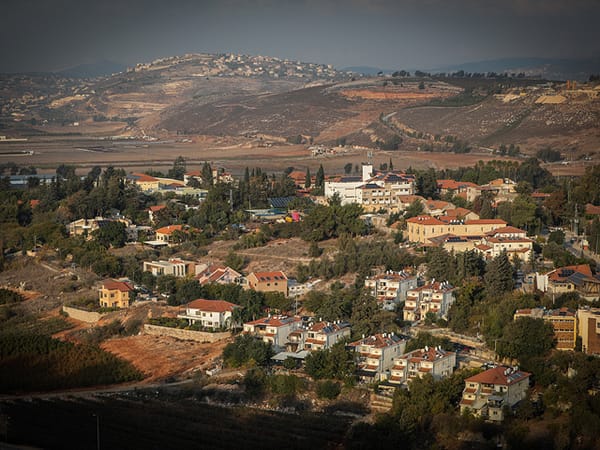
[[162, 357]]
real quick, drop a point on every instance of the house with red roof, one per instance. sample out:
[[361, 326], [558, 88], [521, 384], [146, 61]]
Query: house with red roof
[[215, 314], [511, 240], [115, 294], [275, 281], [577, 278], [220, 275], [435, 361], [274, 329], [488, 393], [376, 355]]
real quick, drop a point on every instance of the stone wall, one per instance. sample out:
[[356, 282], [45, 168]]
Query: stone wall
[[83, 315], [186, 335]]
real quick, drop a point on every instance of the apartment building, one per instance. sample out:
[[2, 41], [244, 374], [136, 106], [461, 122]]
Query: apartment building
[[563, 321], [588, 321], [488, 393], [115, 294], [435, 361], [434, 297], [390, 288], [423, 228], [275, 281], [173, 266], [376, 355], [274, 329]]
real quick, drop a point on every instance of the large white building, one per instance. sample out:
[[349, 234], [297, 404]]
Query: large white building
[[390, 288], [274, 329], [488, 393], [376, 355], [435, 297], [430, 360]]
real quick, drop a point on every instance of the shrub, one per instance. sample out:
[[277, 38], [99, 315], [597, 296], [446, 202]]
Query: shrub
[[328, 389]]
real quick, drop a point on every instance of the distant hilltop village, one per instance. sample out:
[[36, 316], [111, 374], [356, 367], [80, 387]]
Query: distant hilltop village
[[228, 64]]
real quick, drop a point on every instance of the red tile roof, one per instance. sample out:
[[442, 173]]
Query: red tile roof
[[142, 177], [485, 222], [157, 208], [275, 321], [496, 376], [592, 210], [114, 285], [169, 229], [507, 230], [425, 220], [212, 305], [269, 276]]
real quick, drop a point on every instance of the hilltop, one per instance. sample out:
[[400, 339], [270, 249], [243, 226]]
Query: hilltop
[[258, 99]]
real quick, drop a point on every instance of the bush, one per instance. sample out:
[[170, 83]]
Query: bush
[[8, 296], [328, 389]]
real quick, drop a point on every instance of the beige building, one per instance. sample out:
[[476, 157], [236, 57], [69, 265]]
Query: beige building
[[115, 294], [318, 336], [511, 240], [563, 321], [423, 228], [578, 278], [588, 320], [173, 266], [268, 282], [434, 361], [488, 393]]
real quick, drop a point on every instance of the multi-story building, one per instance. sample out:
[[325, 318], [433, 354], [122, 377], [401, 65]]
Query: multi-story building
[[588, 320], [390, 288], [423, 228], [430, 360], [488, 393], [115, 294], [273, 329], [563, 321], [173, 266], [213, 314], [434, 297], [275, 281], [376, 355], [322, 335]]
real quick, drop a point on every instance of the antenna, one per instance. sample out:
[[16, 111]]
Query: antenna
[[370, 157]]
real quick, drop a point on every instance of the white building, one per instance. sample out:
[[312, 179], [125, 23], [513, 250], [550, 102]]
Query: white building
[[435, 297], [210, 313], [173, 266], [435, 361], [390, 288], [273, 329], [487, 393], [376, 355]]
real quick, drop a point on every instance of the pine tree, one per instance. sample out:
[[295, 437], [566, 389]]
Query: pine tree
[[499, 275], [307, 182], [320, 178], [391, 165]]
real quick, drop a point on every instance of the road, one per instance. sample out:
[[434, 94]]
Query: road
[[577, 248]]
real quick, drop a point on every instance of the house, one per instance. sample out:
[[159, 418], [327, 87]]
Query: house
[[511, 240], [430, 360], [145, 182], [488, 393], [577, 278], [390, 288], [220, 275], [273, 329], [166, 234], [268, 282], [376, 355], [563, 321], [588, 328], [215, 314], [452, 187], [173, 266], [434, 297], [115, 294], [85, 227], [455, 214]]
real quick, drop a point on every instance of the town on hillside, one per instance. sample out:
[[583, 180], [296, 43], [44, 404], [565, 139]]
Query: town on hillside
[[418, 302]]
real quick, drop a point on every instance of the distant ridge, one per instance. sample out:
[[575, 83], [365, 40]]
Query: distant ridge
[[548, 68], [93, 70], [365, 70]]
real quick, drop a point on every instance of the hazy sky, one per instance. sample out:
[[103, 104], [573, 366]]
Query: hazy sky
[[55, 34]]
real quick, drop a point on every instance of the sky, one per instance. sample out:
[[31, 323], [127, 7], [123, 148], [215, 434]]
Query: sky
[[48, 35]]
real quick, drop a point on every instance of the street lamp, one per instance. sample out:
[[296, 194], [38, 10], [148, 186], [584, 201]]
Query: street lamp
[[97, 416]]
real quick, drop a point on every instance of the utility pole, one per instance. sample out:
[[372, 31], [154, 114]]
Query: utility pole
[[97, 416]]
